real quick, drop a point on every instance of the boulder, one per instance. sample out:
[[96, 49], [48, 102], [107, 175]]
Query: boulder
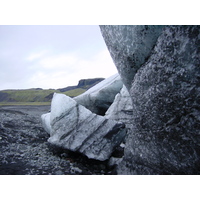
[[99, 98], [76, 128], [121, 109], [165, 91]]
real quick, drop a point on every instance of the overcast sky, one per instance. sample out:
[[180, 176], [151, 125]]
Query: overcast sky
[[34, 56]]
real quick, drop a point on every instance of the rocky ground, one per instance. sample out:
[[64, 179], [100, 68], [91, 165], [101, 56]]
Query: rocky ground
[[24, 149]]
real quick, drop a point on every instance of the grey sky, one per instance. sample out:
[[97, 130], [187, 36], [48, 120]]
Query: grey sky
[[51, 56]]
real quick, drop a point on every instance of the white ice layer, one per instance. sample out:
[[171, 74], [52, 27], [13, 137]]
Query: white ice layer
[[74, 127], [121, 108], [101, 95], [46, 122]]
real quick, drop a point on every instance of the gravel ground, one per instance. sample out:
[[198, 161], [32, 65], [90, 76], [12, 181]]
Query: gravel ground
[[24, 148]]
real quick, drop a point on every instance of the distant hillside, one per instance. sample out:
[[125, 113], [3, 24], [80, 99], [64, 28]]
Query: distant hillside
[[83, 84], [34, 95]]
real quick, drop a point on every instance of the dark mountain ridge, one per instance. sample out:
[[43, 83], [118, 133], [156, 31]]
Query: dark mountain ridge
[[83, 83]]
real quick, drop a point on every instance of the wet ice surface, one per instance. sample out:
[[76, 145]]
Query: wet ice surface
[[25, 150]]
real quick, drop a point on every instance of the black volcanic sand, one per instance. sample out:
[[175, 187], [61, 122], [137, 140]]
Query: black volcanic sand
[[24, 149]]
